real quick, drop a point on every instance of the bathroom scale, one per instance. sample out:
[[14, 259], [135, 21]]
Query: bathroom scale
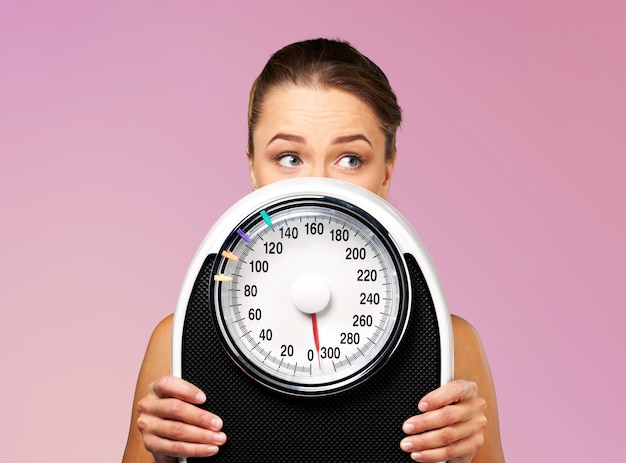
[[314, 321]]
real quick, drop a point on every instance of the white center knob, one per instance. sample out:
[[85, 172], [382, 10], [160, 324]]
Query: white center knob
[[310, 293]]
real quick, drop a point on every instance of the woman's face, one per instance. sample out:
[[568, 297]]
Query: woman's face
[[311, 132]]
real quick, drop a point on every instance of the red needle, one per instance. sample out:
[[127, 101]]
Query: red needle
[[316, 337]]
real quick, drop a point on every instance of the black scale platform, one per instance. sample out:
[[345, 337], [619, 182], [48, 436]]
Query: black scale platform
[[362, 424]]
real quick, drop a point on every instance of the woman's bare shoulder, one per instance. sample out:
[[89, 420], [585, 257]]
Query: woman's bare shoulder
[[462, 327], [158, 353], [163, 331], [470, 361]]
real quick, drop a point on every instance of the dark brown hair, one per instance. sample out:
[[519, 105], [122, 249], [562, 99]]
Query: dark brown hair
[[331, 64]]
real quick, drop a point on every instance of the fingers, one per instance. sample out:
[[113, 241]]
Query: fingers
[[450, 427], [450, 393], [170, 386], [161, 448], [449, 441], [171, 423], [178, 411], [459, 449], [445, 416], [178, 439]]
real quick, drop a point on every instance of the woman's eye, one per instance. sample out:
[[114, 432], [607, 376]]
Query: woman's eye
[[289, 160], [350, 162]]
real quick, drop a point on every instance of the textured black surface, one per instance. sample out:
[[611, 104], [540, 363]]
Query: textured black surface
[[358, 425]]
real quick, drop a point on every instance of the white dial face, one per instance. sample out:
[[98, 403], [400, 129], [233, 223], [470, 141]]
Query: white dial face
[[309, 297]]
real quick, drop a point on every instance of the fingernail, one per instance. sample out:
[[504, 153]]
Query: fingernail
[[422, 406], [416, 456], [408, 428], [200, 397], [219, 438], [406, 445], [216, 423]]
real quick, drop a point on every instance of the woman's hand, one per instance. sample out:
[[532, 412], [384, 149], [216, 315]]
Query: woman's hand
[[173, 426], [450, 427]]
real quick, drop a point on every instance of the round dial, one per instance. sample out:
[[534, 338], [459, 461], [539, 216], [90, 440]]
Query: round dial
[[310, 295]]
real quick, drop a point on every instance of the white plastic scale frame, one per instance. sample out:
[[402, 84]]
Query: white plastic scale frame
[[400, 233]]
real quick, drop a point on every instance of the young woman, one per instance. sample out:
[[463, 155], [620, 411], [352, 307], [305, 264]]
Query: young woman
[[320, 108]]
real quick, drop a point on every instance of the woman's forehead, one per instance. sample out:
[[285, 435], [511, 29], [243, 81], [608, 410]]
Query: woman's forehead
[[300, 106]]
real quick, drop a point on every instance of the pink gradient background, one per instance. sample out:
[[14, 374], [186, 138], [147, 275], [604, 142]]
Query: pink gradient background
[[122, 137]]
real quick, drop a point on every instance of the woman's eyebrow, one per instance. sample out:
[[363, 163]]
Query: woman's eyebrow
[[351, 138], [287, 137]]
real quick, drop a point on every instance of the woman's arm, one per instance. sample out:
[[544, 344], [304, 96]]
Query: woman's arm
[[165, 423], [459, 422]]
